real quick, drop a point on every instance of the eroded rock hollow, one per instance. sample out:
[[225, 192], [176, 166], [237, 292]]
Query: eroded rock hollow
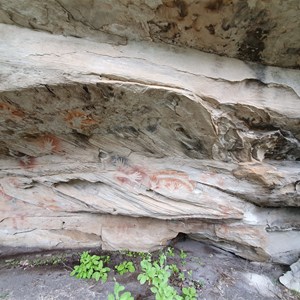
[[126, 145]]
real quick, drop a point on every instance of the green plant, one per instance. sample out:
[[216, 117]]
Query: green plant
[[182, 254], [135, 254], [125, 267], [165, 292], [181, 276], [12, 263], [128, 253], [90, 267], [105, 258], [116, 296], [174, 268], [170, 251], [199, 284], [189, 293], [157, 275], [53, 260]]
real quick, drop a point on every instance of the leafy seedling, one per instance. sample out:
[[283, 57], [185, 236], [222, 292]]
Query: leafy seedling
[[125, 267], [170, 251], [91, 267], [181, 276], [117, 296], [174, 268], [189, 293], [182, 254], [157, 275]]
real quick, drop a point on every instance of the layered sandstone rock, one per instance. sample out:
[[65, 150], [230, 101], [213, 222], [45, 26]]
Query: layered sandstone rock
[[125, 146], [261, 31]]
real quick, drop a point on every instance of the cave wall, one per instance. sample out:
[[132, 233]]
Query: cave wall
[[122, 143], [251, 30]]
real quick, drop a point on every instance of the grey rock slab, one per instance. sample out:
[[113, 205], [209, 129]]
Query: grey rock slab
[[291, 279]]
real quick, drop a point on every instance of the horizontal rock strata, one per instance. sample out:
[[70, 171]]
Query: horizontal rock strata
[[126, 146], [261, 31]]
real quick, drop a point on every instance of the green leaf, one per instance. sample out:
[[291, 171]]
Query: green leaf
[[96, 276], [111, 297], [118, 288], [145, 264], [142, 278], [90, 273], [131, 268], [104, 278], [126, 296]]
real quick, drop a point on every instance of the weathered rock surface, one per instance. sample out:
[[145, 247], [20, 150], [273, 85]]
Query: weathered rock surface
[[125, 146], [262, 31], [291, 279], [224, 276]]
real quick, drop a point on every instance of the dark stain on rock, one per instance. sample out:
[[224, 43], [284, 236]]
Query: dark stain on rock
[[82, 140], [194, 149], [253, 45], [278, 145], [214, 5], [183, 8], [87, 93], [85, 88], [166, 28], [180, 131], [225, 25], [211, 29], [260, 74], [151, 124], [124, 131], [106, 91], [293, 51]]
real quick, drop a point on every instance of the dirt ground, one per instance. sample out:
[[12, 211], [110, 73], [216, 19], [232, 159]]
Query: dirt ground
[[215, 273]]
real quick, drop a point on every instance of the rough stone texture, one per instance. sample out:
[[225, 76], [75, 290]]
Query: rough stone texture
[[127, 146], [291, 279], [223, 275], [261, 31]]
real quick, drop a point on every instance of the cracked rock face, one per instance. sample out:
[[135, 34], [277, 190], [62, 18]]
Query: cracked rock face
[[291, 279], [126, 146], [252, 30]]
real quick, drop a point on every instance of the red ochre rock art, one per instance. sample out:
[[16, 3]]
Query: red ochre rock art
[[79, 120], [27, 162], [8, 111], [192, 143], [49, 143], [170, 180]]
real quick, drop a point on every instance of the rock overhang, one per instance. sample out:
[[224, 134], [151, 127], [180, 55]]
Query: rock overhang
[[94, 137]]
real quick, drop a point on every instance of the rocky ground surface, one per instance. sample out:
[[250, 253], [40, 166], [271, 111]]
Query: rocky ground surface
[[216, 274]]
